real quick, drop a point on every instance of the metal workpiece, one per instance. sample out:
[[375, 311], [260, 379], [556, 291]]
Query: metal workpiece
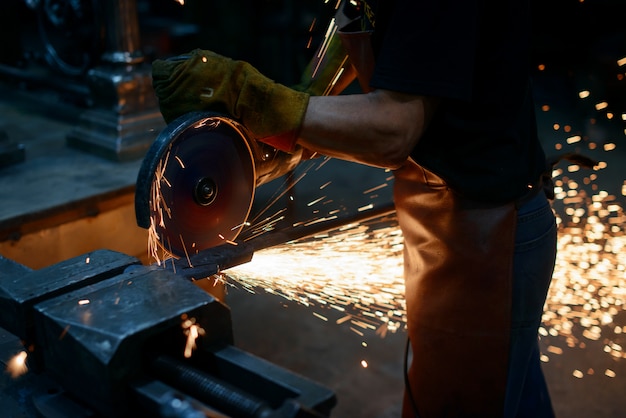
[[212, 261], [115, 338]]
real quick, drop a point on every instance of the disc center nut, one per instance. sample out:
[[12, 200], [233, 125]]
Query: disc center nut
[[205, 191]]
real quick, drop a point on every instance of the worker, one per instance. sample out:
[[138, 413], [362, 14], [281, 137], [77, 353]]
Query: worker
[[448, 107]]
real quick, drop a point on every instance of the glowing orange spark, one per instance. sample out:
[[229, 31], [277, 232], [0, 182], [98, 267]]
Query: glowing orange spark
[[313, 202], [330, 33], [192, 331], [322, 317], [64, 332], [601, 105], [17, 365], [373, 189], [356, 331]]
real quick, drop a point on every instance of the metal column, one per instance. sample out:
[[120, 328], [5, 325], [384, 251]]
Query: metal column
[[125, 118]]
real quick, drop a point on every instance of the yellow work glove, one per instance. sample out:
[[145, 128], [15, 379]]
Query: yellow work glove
[[204, 80]]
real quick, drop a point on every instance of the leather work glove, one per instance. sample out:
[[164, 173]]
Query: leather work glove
[[204, 80]]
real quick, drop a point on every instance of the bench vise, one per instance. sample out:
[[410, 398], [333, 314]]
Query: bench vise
[[108, 337]]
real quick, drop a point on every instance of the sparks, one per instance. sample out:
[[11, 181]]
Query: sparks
[[182, 241], [356, 271], [373, 189], [17, 365], [360, 276], [330, 33], [602, 105], [192, 331], [322, 317], [313, 202]]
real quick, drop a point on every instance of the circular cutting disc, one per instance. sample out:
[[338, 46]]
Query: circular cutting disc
[[203, 187]]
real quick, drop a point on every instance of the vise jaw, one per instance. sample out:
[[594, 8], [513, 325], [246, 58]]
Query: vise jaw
[[114, 335]]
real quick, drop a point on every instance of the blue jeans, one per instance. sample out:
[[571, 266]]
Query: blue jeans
[[535, 252]]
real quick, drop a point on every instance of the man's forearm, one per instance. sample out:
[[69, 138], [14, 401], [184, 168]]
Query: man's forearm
[[378, 129]]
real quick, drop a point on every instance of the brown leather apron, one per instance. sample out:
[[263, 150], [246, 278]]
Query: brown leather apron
[[458, 261]]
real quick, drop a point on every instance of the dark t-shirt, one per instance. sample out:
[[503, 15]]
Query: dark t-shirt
[[474, 55]]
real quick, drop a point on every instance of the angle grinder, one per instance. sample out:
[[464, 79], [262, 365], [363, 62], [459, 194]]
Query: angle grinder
[[196, 184]]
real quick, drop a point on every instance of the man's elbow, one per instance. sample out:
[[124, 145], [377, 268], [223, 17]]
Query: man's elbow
[[404, 119], [397, 148]]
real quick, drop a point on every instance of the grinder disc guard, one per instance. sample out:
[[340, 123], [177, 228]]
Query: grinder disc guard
[[196, 184]]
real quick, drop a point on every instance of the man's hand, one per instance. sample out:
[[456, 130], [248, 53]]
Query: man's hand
[[205, 80]]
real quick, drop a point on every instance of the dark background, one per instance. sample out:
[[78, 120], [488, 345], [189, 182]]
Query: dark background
[[569, 35]]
